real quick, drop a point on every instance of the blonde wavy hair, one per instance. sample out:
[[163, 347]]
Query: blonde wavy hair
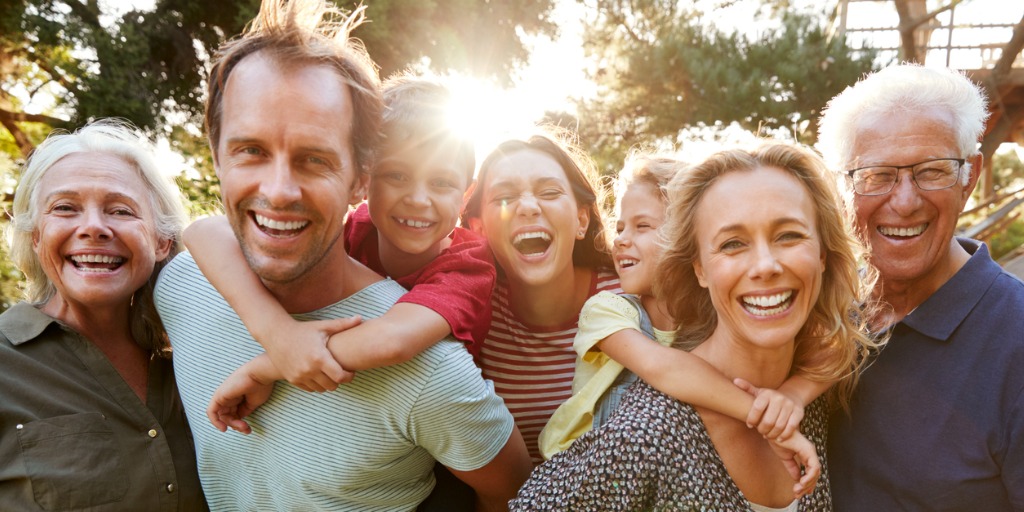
[[834, 343]]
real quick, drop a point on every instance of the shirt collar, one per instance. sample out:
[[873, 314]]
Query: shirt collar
[[24, 322], [940, 315]]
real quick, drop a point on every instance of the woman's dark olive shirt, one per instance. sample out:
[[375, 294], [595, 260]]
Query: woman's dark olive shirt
[[73, 434]]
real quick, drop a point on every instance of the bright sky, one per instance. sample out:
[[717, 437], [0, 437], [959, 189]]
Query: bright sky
[[554, 74]]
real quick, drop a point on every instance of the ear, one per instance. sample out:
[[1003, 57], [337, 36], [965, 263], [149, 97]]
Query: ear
[[583, 216], [698, 270], [359, 189], [35, 239], [976, 161], [163, 248], [476, 225]]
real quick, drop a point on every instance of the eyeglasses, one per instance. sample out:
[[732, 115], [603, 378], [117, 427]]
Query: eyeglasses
[[936, 174]]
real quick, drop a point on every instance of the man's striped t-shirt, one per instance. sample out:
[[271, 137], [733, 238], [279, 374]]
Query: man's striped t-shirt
[[369, 445]]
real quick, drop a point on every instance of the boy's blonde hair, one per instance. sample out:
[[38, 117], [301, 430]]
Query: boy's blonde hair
[[416, 111]]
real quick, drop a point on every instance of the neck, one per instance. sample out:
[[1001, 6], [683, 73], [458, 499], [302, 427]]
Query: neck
[[108, 329], [554, 303], [398, 263], [657, 309], [334, 278], [108, 323], [762, 367], [900, 297]]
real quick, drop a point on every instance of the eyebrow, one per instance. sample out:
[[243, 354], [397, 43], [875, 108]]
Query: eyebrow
[[116, 196], [775, 224]]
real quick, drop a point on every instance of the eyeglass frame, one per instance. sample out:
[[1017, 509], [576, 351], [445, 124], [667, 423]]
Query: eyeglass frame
[[913, 176]]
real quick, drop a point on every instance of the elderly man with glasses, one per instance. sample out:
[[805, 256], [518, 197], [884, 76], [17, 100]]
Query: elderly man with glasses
[[937, 422]]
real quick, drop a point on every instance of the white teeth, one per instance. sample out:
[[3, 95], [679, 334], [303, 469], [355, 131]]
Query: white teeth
[[102, 259], [627, 262], [96, 258], [768, 301], [414, 223], [891, 231], [533, 234], [278, 225]]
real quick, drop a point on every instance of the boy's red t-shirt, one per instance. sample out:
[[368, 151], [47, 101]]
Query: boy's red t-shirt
[[457, 284]]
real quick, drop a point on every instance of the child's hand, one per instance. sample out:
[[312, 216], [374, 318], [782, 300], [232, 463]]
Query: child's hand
[[299, 351], [798, 452], [774, 414], [237, 397]]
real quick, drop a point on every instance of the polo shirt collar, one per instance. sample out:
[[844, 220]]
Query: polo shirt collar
[[940, 315], [24, 322]]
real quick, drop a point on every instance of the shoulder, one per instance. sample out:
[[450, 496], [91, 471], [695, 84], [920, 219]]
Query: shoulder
[[610, 300], [467, 247], [371, 301]]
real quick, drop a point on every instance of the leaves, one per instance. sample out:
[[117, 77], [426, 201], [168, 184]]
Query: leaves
[[662, 68]]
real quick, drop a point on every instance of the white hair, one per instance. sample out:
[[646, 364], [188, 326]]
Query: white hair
[[108, 136], [899, 89]]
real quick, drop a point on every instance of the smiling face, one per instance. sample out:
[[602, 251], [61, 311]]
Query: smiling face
[[96, 237], [636, 250], [531, 218], [760, 255], [909, 230], [415, 198], [286, 165]]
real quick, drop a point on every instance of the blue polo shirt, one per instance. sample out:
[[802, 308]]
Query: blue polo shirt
[[937, 421]]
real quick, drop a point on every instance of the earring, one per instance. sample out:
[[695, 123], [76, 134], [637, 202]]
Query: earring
[[581, 234]]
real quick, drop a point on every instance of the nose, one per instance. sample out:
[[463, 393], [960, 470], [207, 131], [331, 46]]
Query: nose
[[281, 187], [418, 196], [94, 225], [622, 240], [766, 263], [905, 197], [527, 205]]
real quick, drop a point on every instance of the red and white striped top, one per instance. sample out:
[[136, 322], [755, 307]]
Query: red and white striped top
[[532, 367]]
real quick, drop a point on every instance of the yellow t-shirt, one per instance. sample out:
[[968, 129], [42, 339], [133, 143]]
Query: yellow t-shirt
[[603, 314]]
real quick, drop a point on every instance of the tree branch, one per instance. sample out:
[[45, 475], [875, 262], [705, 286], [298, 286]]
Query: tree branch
[[88, 12], [24, 145], [911, 25], [21, 117], [1010, 52], [908, 24]]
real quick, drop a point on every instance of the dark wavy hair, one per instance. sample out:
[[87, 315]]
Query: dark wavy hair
[[593, 251]]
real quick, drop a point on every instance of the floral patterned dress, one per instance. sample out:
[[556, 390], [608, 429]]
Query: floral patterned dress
[[654, 454]]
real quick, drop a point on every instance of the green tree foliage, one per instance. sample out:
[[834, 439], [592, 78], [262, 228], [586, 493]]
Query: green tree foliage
[[1008, 177], [661, 68], [82, 62], [478, 37]]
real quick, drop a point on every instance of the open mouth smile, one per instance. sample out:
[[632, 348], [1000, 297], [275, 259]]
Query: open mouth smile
[[532, 242], [767, 305], [413, 223], [627, 262], [96, 262], [279, 228], [894, 232]]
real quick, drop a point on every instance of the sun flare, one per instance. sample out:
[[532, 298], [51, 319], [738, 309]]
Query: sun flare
[[488, 115]]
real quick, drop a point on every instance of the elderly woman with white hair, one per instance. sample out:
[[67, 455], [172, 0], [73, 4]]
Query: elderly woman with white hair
[[90, 416]]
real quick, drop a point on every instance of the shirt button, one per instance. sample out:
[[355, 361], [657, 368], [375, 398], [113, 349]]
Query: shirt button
[[170, 487], [19, 426], [152, 432]]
